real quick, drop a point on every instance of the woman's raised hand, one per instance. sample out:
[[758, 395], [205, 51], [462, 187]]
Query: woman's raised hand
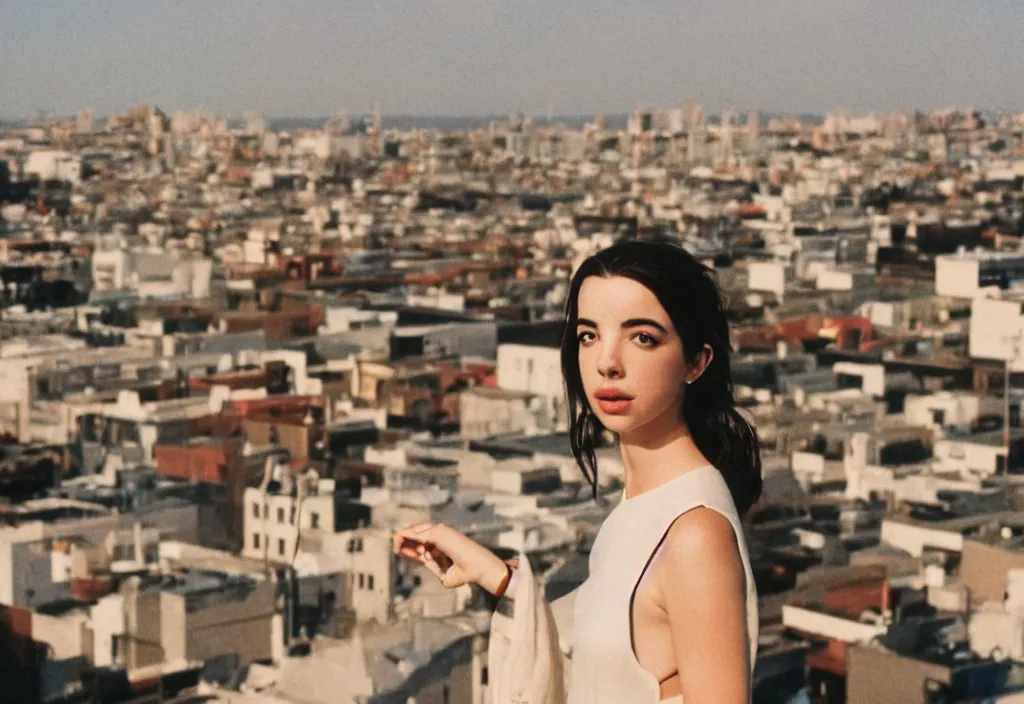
[[453, 557]]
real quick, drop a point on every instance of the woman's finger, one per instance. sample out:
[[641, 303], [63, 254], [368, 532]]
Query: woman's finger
[[439, 556], [412, 543], [413, 549], [409, 552], [434, 568], [415, 529]]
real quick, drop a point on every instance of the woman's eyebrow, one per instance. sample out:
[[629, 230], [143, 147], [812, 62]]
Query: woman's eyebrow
[[631, 323], [640, 322]]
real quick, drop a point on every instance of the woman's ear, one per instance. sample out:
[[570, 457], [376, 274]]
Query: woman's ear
[[700, 364]]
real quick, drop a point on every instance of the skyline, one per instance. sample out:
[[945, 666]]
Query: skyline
[[464, 58]]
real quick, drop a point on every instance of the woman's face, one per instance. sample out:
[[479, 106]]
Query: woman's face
[[631, 359]]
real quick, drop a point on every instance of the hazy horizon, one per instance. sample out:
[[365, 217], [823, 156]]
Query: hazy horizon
[[462, 58]]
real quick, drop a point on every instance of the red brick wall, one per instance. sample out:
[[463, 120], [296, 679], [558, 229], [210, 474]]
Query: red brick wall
[[197, 463], [851, 600]]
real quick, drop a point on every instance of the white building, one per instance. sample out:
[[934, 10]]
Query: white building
[[537, 370], [152, 273], [22, 359], [843, 280], [768, 276], [869, 378], [914, 537], [54, 164], [968, 274], [981, 454], [948, 410], [830, 626], [366, 555], [484, 412], [997, 331], [276, 521]]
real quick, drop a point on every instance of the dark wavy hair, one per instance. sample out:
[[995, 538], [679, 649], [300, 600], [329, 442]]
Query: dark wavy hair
[[689, 293]]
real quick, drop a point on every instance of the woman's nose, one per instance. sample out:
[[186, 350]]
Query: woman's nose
[[609, 365]]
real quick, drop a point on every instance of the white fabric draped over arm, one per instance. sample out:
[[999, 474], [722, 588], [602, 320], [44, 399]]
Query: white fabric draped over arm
[[524, 660]]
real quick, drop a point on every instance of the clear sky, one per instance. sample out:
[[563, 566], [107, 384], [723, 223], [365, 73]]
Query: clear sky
[[474, 57]]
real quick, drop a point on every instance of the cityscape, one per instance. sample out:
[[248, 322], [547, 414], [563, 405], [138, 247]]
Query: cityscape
[[238, 352]]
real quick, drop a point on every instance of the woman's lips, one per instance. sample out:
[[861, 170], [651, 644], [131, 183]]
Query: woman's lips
[[616, 406]]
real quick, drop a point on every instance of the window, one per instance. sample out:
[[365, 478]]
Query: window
[[291, 517], [266, 511], [280, 546], [483, 675], [314, 519], [256, 541], [369, 581], [938, 416], [256, 510], [359, 544], [849, 381], [280, 514], [361, 582]]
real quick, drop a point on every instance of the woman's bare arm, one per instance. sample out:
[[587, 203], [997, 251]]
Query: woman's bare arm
[[702, 587]]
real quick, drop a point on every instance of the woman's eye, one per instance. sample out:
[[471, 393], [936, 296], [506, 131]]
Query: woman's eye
[[645, 339], [584, 336]]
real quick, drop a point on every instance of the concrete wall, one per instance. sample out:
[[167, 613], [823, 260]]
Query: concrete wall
[[536, 370], [65, 635], [451, 669], [370, 555], [835, 627], [465, 339], [983, 569], [767, 276], [32, 576], [487, 412], [957, 277], [914, 538], [143, 635], [241, 626], [977, 457], [107, 617], [958, 409], [992, 327], [874, 676], [173, 625], [873, 375]]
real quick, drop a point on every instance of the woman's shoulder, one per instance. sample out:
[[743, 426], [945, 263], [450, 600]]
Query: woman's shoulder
[[700, 532], [702, 539], [699, 555]]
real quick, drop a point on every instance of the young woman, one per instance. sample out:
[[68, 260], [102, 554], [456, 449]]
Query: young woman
[[669, 609]]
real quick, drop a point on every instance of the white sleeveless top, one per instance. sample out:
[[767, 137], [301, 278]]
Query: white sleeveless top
[[604, 667]]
